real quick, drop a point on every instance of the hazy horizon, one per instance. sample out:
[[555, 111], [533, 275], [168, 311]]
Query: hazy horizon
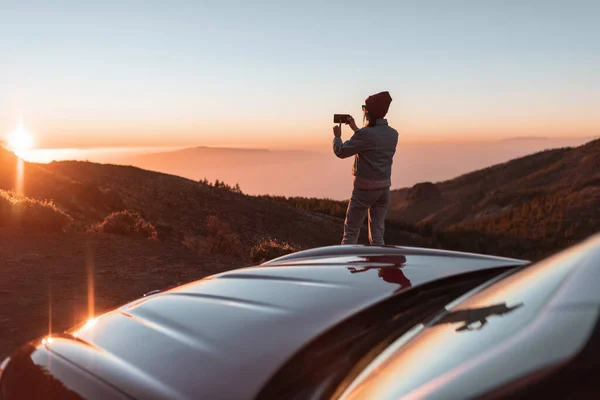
[[59, 154], [311, 173]]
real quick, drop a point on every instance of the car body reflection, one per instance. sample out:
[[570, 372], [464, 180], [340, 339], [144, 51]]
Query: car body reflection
[[390, 274], [28, 377], [472, 316]]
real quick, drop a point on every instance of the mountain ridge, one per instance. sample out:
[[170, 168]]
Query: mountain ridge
[[536, 196]]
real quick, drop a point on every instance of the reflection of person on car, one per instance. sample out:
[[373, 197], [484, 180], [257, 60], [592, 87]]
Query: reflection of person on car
[[394, 275], [390, 274], [471, 316]]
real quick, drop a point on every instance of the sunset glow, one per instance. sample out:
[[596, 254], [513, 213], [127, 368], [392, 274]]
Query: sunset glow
[[20, 139], [276, 73]]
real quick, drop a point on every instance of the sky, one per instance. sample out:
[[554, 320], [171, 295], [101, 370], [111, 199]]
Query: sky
[[120, 73]]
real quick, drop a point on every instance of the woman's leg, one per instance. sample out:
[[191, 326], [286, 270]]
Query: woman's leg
[[355, 215], [377, 214]]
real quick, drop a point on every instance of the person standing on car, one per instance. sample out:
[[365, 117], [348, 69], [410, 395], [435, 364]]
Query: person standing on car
[[373, 148]]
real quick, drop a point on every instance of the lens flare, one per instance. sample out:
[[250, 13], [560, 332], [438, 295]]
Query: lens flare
[[20, 178], [90, 281], [20, 139]]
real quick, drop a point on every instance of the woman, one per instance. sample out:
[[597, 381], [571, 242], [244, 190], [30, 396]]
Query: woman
[[373, 148]]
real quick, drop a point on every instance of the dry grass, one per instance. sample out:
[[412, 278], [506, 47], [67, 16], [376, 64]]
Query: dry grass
[[219, 239], [21, 212], [126, 223], [269, 249]]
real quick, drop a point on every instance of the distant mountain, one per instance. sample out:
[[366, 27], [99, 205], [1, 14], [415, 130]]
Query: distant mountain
[[208, 157], [552, 195], [258, 171], [321, 174]]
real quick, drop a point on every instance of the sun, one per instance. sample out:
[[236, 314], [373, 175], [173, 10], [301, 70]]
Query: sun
[[20, 139]]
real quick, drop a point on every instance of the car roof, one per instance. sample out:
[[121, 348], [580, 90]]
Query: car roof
[[224, 336]]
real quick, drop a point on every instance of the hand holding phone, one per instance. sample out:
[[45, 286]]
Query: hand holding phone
[[341, 118]]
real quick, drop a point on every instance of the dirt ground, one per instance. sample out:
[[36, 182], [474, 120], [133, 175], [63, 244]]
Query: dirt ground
[[44, 278]]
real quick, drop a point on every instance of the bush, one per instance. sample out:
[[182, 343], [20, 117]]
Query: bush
[[21, 212], [128, 224], [269, 249], [219, 238]]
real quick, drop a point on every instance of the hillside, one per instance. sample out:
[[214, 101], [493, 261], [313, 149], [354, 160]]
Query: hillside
[[543, 202], [178, 207], [552, 196]]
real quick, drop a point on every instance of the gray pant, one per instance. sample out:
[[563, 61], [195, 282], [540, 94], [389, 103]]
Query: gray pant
[[375, 203]]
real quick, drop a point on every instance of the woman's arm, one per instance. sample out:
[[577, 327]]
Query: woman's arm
[[357, 143]]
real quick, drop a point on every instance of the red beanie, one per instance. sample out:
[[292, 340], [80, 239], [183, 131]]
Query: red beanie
[[378, 104]]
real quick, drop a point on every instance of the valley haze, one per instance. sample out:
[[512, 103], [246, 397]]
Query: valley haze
[[314, 172]]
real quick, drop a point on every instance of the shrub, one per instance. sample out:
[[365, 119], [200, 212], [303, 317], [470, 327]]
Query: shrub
[[269, 249], [21, 212], [126, 223], [219, 238]]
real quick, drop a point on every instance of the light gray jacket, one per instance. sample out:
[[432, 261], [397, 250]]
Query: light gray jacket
[[373, 149]]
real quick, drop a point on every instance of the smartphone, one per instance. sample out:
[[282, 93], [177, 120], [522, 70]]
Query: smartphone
[[337, 118]]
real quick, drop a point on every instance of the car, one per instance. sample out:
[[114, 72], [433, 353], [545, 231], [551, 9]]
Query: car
[[343, 322]]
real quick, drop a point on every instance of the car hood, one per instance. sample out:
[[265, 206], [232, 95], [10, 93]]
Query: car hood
[[226, 335]]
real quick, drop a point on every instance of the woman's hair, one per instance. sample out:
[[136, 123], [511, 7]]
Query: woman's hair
[[371, 120]]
